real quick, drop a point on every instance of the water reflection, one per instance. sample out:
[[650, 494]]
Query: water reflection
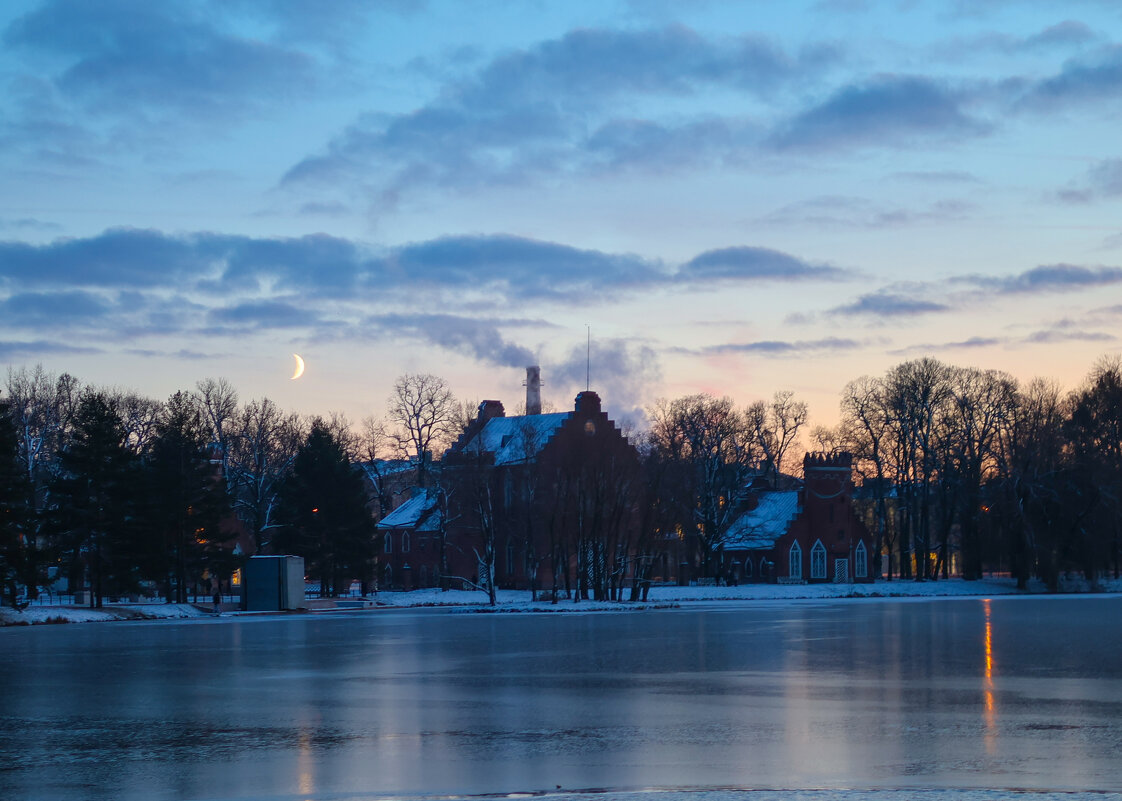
[[305, 765], [842, 694], [991, 711]]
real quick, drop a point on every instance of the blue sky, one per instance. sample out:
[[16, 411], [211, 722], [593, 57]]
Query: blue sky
[[736, 197]]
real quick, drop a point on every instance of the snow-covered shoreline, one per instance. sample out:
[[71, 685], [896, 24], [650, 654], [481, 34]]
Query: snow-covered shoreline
[[660, 597], [46, 614]]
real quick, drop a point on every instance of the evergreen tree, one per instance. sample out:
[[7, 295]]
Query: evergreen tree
[[93, 501], [323, 513], [187, 501], [15, 519]]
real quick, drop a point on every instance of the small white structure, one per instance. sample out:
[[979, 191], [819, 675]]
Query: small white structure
[[274, 583]]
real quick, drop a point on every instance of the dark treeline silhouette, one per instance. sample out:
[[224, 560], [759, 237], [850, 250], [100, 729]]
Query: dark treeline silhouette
[[962, 471], [122, 495]]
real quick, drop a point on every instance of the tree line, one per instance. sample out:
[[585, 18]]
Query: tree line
[[961, 469]]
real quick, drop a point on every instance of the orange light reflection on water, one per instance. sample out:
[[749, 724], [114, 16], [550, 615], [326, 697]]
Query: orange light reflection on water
[[991, 708]]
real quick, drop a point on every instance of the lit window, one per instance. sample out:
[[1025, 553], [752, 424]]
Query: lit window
[[818, 561]]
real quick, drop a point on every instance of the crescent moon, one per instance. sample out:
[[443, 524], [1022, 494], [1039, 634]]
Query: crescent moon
[[299, 367]]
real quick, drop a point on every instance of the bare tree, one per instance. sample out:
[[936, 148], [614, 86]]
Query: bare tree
[[917, 394], [865, 417], [775, 428], [140, 416], [981, 408], [41, 407], [710, 442], [218, 402], [265, 443], [424, 412]]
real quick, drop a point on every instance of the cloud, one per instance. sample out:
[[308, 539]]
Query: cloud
[[265, 314], [318, 265], [28, 224], [886, 304], [1053, 336], [123, 55], [966, 344], [858, 212], [119, 257], [577, 103], [938, 177], [752, 264], [182, 353], [1065, 35], [58, 309], [885, 109], [515, 267], [480, 339], [1087, 79], [1104, 180], [624, 374], [1062, 34], [41, 347], [779, 348], [1048, 278]]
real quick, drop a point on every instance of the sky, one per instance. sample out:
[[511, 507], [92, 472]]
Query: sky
[[734, 198]]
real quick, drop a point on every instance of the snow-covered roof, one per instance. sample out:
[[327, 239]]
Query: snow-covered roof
[[762, 526], [387, 467], [514, 440], [412, 514]]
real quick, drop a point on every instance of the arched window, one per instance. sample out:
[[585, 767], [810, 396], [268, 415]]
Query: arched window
[[861, 561], [387, 577], [818, 561], [405, 542], [748, 568], [795, 561], [765, 567], [388, 547]]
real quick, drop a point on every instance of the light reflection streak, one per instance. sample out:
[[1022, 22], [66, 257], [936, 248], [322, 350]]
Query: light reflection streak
[[305, 764], [991, 710]]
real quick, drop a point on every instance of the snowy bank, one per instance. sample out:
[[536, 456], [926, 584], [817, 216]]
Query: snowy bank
[[38, 615], [662, 596]]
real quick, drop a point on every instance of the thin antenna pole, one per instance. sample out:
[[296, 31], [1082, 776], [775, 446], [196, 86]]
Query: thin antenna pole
[[588, 359]]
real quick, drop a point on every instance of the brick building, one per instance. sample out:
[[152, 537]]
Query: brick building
[[804, 535], [550, 493]]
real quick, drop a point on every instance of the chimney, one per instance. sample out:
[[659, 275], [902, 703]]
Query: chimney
[[588, 402], [489, 409], [533, 390]]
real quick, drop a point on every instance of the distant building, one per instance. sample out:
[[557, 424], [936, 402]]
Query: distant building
[[808, 535], [525, 479]]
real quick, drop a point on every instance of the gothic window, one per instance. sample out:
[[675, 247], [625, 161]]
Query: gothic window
[[405, 542], [818, 561], [795, 561], [388, 546], [748, 567], [861, 561]]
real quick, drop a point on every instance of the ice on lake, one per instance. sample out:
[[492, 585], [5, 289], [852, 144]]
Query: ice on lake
[[967, 699]]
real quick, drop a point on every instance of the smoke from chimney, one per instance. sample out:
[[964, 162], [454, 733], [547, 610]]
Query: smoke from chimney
[[533, 390]]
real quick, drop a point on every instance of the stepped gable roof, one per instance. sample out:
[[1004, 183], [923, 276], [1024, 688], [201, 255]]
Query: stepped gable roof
[[759, 528], [515, 440], [418, 513]]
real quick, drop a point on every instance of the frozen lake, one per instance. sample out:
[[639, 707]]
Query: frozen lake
[[866, 695]]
